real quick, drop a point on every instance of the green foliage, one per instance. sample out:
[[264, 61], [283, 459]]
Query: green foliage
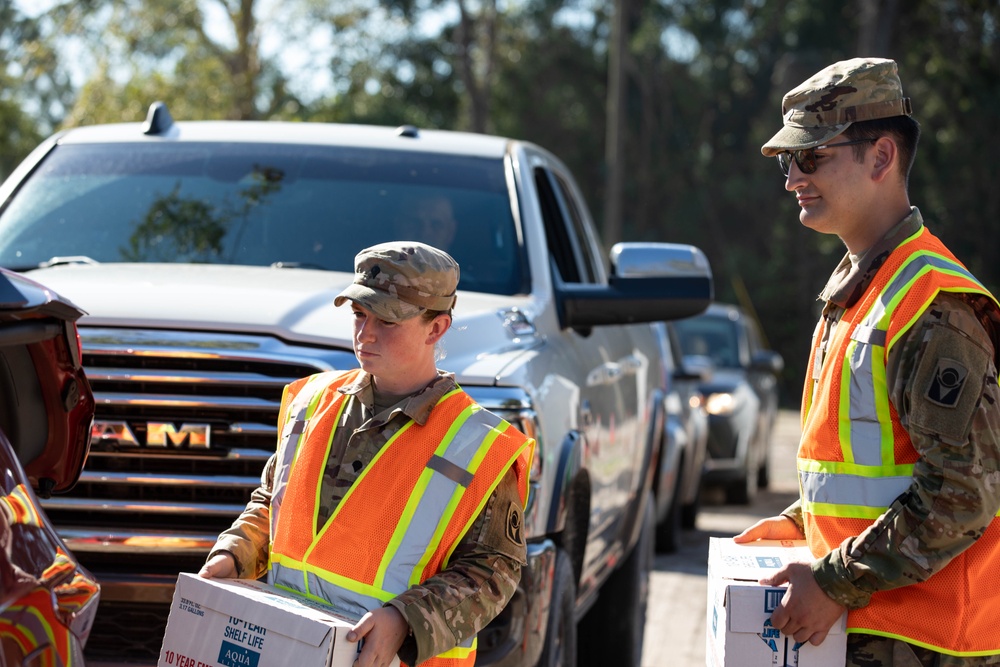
[[950, 56], [704, 82], [536, 101], [419, 90], [19, 135], [33, 87]]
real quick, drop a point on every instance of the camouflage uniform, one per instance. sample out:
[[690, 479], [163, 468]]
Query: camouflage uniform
[[959, 468], [483, 572]]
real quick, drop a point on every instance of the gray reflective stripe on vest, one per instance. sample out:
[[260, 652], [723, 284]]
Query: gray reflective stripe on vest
[[347, 601], [865, 425], [841, 489], [432, 505], [291, 438]]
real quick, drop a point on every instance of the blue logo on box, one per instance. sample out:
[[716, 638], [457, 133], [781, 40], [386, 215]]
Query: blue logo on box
[[232, 655], [772, 598]]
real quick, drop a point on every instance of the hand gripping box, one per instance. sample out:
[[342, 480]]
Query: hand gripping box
[[245, 623], [739, 630]]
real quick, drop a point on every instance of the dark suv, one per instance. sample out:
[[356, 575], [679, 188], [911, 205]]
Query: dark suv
[[47, 600]]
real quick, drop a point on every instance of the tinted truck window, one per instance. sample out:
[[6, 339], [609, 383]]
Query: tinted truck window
[[261, 205]]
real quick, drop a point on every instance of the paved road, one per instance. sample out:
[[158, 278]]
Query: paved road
[[675, 626]]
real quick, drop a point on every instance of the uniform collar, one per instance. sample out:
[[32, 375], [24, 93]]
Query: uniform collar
[[417, 406], [850, 279]]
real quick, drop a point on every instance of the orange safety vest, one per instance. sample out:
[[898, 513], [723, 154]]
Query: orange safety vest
[[402, 518], [855, 457]]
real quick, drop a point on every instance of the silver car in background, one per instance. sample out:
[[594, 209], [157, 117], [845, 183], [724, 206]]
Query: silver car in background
[[740, 389]]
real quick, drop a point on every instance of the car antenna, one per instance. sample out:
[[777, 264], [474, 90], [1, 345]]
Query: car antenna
[[158, 119], [409, 131]]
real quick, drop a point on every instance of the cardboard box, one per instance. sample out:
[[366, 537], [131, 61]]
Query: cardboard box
[[245, 623], [739, 631]]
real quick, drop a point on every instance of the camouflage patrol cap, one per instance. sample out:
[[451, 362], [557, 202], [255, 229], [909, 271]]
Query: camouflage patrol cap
[[401, 279], [826, 104]]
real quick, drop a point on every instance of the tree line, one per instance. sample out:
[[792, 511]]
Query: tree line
[[692, 88]]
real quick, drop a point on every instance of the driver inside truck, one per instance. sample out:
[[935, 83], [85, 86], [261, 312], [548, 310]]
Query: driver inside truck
[[427, 218]]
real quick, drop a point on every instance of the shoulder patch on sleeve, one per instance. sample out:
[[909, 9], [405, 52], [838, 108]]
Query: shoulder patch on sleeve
[[515, 525], [503, 527], [948, 383]]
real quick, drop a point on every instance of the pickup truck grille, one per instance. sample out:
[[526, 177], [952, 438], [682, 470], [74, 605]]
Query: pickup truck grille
[[184, 425]]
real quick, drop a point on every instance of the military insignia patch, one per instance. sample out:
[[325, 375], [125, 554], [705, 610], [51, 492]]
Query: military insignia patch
[[946, 386], [515, 529]]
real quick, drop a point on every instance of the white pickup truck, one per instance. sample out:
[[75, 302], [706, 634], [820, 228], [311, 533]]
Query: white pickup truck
[[207, 256]]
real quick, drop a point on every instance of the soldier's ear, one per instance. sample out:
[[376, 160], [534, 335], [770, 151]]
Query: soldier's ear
[[438, 327], [886, 157]]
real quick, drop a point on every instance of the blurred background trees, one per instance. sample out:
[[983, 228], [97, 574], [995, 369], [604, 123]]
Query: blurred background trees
[[696, 89]]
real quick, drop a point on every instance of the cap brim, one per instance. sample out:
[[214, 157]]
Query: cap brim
[[383, 304], [794, 137]]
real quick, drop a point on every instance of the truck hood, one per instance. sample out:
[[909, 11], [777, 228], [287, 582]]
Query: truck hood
[[294, 305]]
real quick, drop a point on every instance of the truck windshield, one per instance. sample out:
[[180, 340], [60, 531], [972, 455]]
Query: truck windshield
[[289, 206]]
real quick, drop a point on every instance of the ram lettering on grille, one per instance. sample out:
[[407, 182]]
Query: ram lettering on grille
[[158, 434]]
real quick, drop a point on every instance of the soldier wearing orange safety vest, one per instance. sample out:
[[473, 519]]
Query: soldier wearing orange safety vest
[[392, 495], [899, 459]]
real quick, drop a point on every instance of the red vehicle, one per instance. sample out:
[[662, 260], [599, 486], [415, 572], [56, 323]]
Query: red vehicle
[[47, 600]]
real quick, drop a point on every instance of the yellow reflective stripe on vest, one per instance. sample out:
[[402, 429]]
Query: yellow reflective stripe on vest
[[432, 503], [300, 410], [436, 497], [497, 426], [349, 596], [319, 582], [868, 481], [462, 651], [850, 490], [864, 414], [932, 647], [486, 497]]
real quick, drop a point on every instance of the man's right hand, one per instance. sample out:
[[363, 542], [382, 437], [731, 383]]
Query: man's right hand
[[772, 528], [219, 566]]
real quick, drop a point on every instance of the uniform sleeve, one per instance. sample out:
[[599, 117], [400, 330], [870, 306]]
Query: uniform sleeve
[[794, 512], [249, 536], [479, 580], [944, 386]]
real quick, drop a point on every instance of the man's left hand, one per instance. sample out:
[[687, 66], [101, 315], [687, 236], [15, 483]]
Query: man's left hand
[[383, 631], [805, 612]]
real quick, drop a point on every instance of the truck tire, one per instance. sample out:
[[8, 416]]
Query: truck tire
[[743, 490], [764, 471], [612, 631], [559, 649], [668, 532], [689, 513]]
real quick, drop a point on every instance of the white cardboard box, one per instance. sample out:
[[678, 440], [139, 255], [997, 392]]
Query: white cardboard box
[[739, 631], [245, 623]]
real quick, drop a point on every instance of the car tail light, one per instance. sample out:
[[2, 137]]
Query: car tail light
[[76, 352]]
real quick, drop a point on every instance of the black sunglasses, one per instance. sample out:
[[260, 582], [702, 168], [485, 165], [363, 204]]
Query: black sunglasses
[[805, 158]]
